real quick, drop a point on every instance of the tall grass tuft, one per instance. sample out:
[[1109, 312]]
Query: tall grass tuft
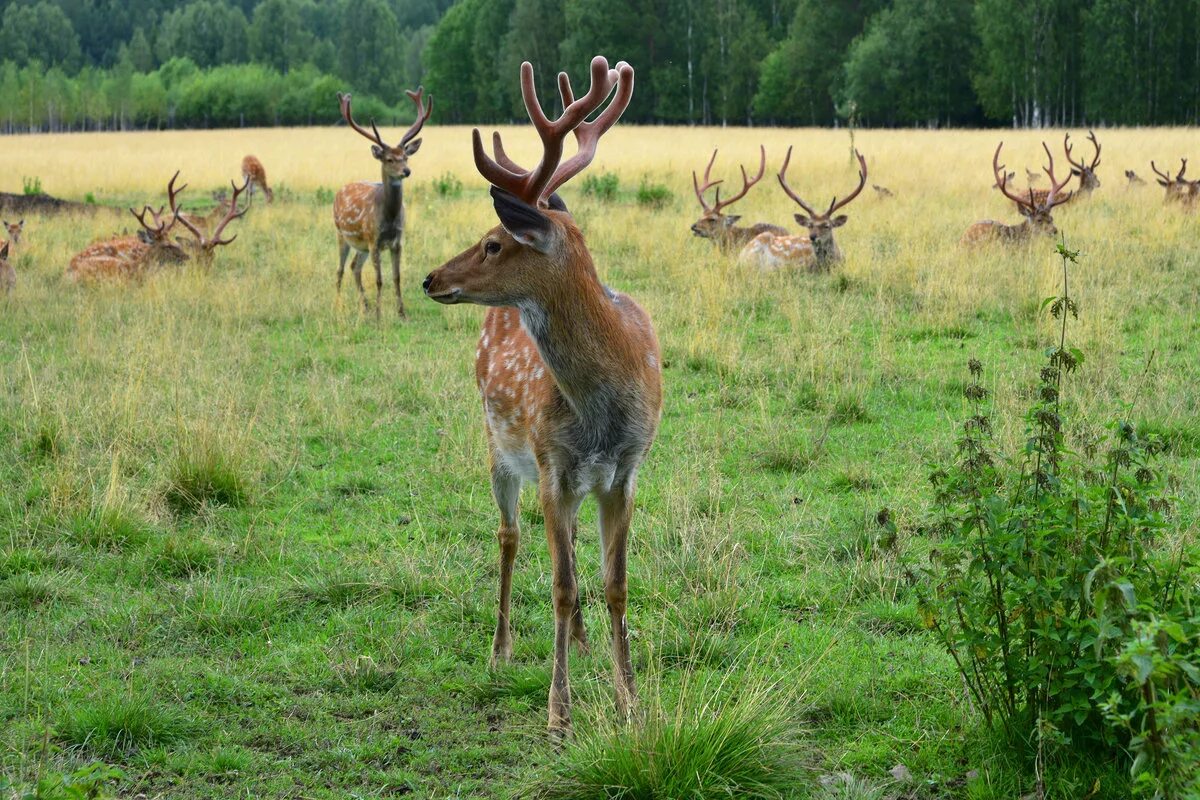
[[699, 748], [118, 724], [207, 469]]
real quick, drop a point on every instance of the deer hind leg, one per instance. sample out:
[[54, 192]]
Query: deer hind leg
[[375, 262], [343, 253], [616, 511], [559, 509], [578, 630], [396, 280], [506, 489], [357, 267]]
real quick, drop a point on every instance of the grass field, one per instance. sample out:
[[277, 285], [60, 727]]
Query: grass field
[[247, 537]]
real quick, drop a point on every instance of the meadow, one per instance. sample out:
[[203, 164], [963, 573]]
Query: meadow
[[246, 534]]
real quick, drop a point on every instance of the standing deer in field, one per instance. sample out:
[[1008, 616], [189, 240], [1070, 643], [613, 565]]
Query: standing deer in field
[[1179, 189], [255, 175], [1133, 178], [8, 275], [1088, 182], [818, 252], [14, 230], [568, 369], [720, 227], [1037, 212], [370, 216]]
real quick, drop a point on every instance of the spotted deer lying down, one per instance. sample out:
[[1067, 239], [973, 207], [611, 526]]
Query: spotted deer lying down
[[1034, 206], [721, 228]]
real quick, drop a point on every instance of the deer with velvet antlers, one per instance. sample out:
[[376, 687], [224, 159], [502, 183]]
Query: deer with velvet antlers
[[370, 216], [1035, 207], [714, 224], [568, 370], [818, 251]]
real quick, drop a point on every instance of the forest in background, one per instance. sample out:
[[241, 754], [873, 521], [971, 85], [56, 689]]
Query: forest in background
[[124, 64]]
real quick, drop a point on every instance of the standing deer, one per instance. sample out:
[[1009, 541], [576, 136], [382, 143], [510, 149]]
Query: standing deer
[[1088, 182], [255, 175], [568, 369], [8, 275], [370, 216], [14, 230], [1179, 189], [818, 252], [1037, 212], [720, 227]]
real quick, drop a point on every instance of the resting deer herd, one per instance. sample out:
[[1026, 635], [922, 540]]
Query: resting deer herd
[[568, 370]]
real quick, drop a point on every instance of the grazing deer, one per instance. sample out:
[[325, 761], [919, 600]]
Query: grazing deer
[[720, 227], [1037, 212], [14, 231], [1179, 189], [255, 175], [370, 216], [1133, 178], [569, 370], [1088, 182], [818, 252], [8, 275]]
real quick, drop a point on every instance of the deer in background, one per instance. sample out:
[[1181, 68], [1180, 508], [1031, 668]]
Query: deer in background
[[255, 175], [14, 230], [1133, 178], [370, 216], [1037, 212], [1088, 182], [568, 369], [1179, 189], [8, 275], [720, 227], [818, 251]]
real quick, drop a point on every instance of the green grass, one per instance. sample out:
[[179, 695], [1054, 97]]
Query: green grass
[[247, 540]]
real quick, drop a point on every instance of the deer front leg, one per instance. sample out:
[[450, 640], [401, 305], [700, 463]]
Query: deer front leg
[[375, 261], [356, 267], [559, 510], [506, 489], [396, 280], [616, 511]]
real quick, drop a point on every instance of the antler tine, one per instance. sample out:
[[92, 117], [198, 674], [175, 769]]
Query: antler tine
[[141, 218], [1096, 144], [423, 112], [708, 183], [862, 181], [1002, 181], [747, 183], [1055, 185], [1164, 178], [1182, 169], [344, 102], [587, 134], [1067, 148], [230, 216], [783, 182]]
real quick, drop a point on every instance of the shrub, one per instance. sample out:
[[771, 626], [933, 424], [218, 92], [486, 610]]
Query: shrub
[[31, 186], [653, 195], [1044, 588], [447, 185], [603, 186], [324, 195]]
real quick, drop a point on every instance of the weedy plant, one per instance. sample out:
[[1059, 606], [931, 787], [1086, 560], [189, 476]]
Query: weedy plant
[[32, 187], [653, 195], [603, 186], [447, 185], [86, 783], [1046, 592]]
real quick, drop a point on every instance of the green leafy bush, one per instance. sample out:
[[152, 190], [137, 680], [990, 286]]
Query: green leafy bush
[[603, 186], [653, 195], [86, 783], [32, 186], [447, 185], [1046, 588]]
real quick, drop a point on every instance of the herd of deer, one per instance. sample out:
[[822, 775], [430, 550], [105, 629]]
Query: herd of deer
[[569, 370]]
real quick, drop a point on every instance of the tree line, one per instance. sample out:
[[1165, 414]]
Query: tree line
[[69, 64]]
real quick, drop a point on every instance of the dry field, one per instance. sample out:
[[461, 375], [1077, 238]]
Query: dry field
[[318, 624]]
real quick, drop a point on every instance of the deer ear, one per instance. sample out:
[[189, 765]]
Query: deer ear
[[377, 151], [1075, 171], [731, 220], [412, 147], [839, 220], [556, 203], [523, 222], [803, 220], [4, 251]]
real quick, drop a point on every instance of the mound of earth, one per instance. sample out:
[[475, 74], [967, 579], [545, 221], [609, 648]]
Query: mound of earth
[[38, 203]]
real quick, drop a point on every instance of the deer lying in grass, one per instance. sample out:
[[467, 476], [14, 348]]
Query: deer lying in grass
[[1034, 207], [1086, 172], [14, 231], [714, 224], [569, 371], [1179, 189], [8, 275], [254, 174], [1133, 178], [816, 252]]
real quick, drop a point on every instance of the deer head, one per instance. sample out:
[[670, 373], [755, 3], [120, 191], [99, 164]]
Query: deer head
[[393, 159], [1179, 189], [714, 223], [820, 226], [157, 226], [1086, 172], [1133, 178], [1035, 208], [537, 246], [202, 245], [14, 231]]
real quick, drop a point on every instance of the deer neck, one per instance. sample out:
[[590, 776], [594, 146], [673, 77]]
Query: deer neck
[[392, 206], [582, 337], [825, 250]]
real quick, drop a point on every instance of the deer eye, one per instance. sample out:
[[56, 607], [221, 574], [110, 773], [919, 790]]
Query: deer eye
[[492, 248]]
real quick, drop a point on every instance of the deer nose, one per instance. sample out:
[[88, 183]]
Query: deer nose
[[407, 172], [428, 280]]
